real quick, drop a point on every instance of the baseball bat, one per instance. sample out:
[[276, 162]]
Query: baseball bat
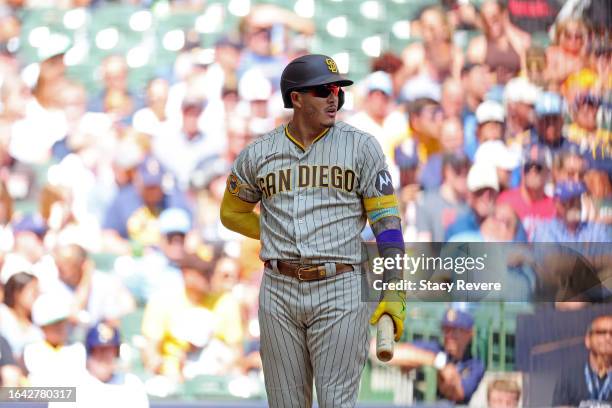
[[384, 338]]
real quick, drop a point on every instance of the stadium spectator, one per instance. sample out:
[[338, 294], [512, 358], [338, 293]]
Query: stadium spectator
[[591, 381], [10, 373], [93, 295], [529, 200], [496, 154], [424, 122], [502, 47], [255, 90], [438, 209], [490, 119], [20, 293], [476, 80], [451, 140], [483, 187], [157, 269], [568, 51], [503, 393], [548, 126], [208, 182], [536, 69], [452, 98], [107, 384], [180, 150], [135, 209], [569, 165], [6, 215], [221, 74], [520, 97], [168, 321], [459, 373], [114, 72], [152, 119], [598, 200], [567, 226], [584, 130], [377, 116], [257, 39], [436, 57], [42, 359]]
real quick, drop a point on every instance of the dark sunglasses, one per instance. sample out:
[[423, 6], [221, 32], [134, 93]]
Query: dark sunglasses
[[322, 91], [601, 332], [573, 36], [537, 166]]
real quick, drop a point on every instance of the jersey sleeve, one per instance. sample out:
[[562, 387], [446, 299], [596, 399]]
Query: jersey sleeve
[[241, 181], [375, 183]]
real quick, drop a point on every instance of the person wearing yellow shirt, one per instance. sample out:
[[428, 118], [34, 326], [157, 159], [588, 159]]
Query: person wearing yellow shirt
[[176, 322], [424, 124]]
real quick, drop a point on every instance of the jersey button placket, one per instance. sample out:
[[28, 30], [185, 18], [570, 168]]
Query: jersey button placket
[[299, 210]]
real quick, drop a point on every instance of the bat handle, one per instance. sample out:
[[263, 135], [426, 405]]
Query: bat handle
[[384, 338]]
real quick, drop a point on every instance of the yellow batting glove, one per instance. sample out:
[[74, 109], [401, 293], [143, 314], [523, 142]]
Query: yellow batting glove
[[393, 303]]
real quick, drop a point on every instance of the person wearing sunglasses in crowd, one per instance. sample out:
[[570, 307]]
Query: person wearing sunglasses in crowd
[[529, 199], [566, 55], [591, 380]]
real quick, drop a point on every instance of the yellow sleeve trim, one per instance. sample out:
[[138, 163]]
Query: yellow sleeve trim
[[238, 215], [377, 203]]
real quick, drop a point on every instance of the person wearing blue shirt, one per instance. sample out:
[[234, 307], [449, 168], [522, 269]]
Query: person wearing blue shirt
[[459, 373], [153, 191], [568, 226]]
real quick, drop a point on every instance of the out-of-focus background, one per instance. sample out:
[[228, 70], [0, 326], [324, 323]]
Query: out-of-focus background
[[119, 121]]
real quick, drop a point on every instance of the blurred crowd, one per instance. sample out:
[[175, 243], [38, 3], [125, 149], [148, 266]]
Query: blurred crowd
[[498, 140]]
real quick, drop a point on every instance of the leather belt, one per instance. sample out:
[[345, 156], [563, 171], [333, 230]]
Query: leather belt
[[304, 272]]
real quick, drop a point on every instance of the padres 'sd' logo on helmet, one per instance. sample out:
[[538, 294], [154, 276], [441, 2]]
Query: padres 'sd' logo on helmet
[[233, 185], [331, 65]]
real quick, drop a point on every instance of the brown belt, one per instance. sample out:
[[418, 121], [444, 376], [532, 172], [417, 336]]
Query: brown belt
[[307, 272]]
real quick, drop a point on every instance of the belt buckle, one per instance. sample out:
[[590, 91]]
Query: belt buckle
[[302, 267]]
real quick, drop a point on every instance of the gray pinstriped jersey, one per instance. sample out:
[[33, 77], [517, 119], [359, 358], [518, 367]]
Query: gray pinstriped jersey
[[311, 201]]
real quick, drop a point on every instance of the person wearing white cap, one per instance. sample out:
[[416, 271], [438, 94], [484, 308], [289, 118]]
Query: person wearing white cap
[[520, 96], [490, 118], [483, 187], [377, 117], [181, 149], [496, 154], [53, 361]]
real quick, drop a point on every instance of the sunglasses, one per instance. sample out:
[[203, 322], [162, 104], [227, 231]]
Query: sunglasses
[[601, 332], [573, 36], [322, 91], [529, 166]]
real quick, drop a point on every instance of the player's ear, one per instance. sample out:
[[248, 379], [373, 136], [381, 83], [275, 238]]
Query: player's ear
[[296, 99]]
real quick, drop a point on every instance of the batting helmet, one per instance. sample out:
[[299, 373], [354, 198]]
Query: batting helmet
[[311, 70]]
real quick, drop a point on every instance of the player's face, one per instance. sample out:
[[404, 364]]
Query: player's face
[[320, 104]]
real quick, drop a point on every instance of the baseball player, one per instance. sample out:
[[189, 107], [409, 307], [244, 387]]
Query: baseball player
[[317, 182]]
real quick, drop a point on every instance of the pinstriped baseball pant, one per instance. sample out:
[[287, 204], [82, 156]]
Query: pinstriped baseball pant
[[316, 329]]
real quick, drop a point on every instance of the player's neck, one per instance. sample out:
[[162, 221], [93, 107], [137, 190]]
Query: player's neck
[[304, 132]]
